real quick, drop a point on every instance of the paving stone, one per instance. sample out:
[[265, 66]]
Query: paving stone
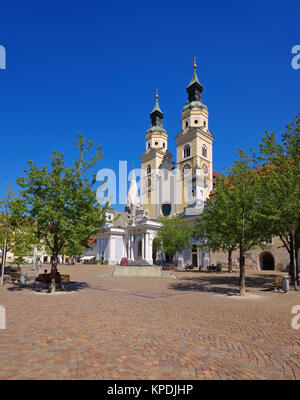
[[105, 327]]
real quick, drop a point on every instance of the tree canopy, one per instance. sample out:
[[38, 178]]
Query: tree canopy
[[279, 164], [174, 236], [215, 229], [259, 198], [62, 201]]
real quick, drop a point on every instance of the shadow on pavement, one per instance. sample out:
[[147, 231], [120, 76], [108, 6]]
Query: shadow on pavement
[[42, 287], [228, 285]]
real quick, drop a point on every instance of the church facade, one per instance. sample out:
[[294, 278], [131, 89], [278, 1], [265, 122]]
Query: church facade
[[166, 188]]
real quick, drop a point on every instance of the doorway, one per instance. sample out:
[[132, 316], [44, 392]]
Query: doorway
[[267, 261], [139, 248], [195, 260]]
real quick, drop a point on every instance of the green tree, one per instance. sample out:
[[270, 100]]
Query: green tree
[[233, 218], [245, 200], [215, 229], [279, 164], [174, 236], [62, 202]]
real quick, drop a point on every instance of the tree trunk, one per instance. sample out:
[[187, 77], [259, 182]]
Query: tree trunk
[[52, 284], [229, 260], [291, 265], [297, 261], [242, 273]]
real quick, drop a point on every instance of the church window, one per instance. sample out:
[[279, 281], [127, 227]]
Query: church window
[[204, 151], [148, 183], [269, 240], [149, 169], [164, 145], [196, 121], [186, 124], [186, 151], [204, 123], [148, 145], [193, 193]]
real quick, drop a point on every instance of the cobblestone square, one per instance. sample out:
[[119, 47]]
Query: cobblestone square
[[194, 327]]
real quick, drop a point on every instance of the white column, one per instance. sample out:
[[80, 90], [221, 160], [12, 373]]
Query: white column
[[146, 246], [113, 250], [148, 249], [130, 247], [143, 246]]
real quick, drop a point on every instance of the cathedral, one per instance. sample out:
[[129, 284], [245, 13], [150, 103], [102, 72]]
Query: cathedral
[[166, 188], [171, 188]]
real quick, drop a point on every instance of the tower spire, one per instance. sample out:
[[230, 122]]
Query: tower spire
[[156, 114], [195, 88], [133, 198]]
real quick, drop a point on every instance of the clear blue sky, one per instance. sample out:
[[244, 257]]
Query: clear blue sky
[[93, 67]]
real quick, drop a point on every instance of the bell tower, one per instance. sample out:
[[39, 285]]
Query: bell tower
[[155, 155], [194, 142]]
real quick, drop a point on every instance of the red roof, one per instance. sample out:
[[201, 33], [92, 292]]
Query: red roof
[[215, 175], [92, 240]]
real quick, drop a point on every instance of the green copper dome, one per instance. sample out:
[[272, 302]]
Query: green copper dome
[[194, 104]]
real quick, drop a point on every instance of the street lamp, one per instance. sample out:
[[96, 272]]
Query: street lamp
[[4, 257], [293, 228]]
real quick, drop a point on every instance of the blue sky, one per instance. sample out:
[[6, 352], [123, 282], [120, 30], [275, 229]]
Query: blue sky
[[93, 67]]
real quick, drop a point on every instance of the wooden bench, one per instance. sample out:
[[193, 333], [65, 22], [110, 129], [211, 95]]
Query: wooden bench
[[46, 278], [14, 276]]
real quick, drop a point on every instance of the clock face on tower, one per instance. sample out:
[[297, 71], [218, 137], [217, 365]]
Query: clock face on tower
[[205, 168]]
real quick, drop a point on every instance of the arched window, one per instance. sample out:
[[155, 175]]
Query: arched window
[[186, 151], [204, 151], [149, 169]]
